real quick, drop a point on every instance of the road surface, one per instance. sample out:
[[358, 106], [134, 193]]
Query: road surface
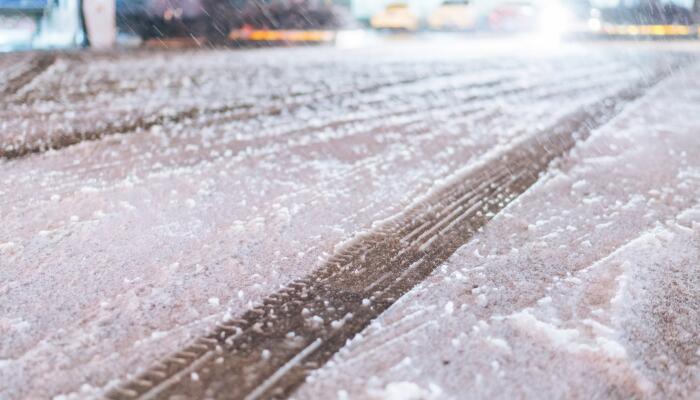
[[215, 223]]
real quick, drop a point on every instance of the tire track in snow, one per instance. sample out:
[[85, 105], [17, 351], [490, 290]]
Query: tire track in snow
[[384, 120], [270, 350], [453, 112], [134, 123], [37, 65], [140, 120]]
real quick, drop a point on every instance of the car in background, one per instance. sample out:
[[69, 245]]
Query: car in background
[[30, 8], [162, 18], [514, 16], [396, 16], [651, 18], [217, 21], [41, 24], [20, 22], [632, 18], [453, 15]]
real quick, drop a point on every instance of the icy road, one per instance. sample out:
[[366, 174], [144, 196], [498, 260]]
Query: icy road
[[410, 220]]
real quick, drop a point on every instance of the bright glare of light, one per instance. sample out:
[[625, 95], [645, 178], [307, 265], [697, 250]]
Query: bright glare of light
[[595, 25], [555, 20], [352, 39]]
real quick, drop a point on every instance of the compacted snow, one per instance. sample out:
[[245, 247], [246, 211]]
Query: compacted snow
[[587, 286], [203, 181]]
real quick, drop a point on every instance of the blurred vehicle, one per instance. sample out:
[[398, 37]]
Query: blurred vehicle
[[646, 18], [19, 22], [514, 16], [162, 18], [453, 15], [39, 24], [635, 18], [30, 8], [294, 14], [220, 20], [396, 16], [298, 21]]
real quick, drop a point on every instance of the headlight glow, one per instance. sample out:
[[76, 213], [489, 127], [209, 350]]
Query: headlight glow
[[554, 21]]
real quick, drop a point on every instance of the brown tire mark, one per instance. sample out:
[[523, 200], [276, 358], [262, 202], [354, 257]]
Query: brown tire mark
[[269, 351], [217, 115], [57, 142], [38, 64], [145, 122]]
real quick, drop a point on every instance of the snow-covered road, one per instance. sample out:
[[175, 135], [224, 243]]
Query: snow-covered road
[[585, 287], [184, 188]]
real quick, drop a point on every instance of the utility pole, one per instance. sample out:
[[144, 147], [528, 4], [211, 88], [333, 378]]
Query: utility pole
[[100, 22]]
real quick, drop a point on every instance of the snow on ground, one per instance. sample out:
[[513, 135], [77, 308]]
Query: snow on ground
[[585, 287], [118, 251]]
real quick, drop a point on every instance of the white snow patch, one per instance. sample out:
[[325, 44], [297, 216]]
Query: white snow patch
[[406, 391], [527, 322], [449, 307], [499, 343]]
